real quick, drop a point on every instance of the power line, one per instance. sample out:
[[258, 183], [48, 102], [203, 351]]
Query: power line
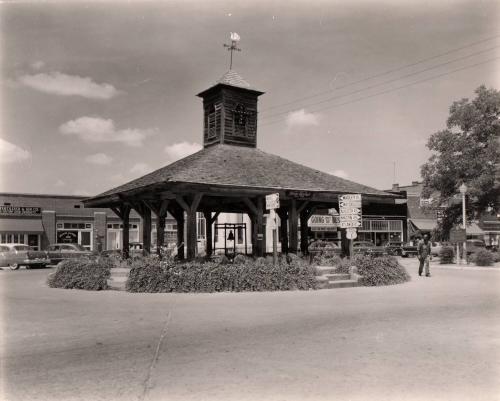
[[381, 74], [385, 82], [392, 89]]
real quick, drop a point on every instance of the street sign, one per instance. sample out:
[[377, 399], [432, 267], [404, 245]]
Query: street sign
[[348, 224], [351, 233], [350, 217], [343, 204], [457, 235], [350, 210], [273, 201], [350, 197]]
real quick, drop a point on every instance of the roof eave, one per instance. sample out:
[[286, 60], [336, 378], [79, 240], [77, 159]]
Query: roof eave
[[203, 93]]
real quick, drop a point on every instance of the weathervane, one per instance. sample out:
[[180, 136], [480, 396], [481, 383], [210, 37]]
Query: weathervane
[[235, 38]]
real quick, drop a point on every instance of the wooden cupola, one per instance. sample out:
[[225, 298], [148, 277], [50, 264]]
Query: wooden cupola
[[230, 112]]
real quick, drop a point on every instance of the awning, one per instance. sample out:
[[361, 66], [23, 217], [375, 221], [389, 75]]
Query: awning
[[474, 229], [21, 225], [423, 224]]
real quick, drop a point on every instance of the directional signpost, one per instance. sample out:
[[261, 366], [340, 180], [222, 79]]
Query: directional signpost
[[273, 203], [350, 216]]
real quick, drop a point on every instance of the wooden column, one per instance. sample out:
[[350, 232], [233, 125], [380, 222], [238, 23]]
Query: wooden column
[[283, 215], [209, 221], [179, 218], [256, 214], [123, 212], [159, 208], [260, 227], [190, 210], [294, 223], [305, 214], [145, 212]]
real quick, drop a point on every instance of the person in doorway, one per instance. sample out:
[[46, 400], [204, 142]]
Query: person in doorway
[[424, 256]]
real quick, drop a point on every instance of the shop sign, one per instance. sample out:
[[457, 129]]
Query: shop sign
[[67, 237], [299, 194], [323, 223], [20, 211]]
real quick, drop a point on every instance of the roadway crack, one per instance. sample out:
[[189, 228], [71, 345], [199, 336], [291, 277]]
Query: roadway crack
[[148, 380]]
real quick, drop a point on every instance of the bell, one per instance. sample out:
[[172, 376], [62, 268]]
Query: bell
[[230, 237]]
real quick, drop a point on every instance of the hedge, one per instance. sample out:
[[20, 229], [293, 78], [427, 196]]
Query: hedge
[[244, 274], [483, 257], [375, 271], [81, 273]]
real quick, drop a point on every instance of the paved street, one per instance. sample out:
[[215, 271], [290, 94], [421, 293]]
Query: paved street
[[431, 339]]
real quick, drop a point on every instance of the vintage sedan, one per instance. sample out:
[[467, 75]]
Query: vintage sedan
[[59, 252], [17, 255], [401, 249], [367, 248]]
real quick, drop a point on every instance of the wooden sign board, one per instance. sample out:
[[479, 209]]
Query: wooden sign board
[[457, 235], [273, 201]]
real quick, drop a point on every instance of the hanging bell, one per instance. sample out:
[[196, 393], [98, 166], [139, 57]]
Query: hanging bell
[[230, 237]]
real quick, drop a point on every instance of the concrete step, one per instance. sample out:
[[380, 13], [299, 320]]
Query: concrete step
[[115, 287], [119, 279], [338, 276], [342, 284], [120, 271], [326, 269]]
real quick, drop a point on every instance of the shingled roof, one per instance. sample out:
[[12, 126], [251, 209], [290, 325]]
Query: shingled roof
[[244, 167]]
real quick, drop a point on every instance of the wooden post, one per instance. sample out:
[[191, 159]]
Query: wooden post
[[260, 227], [123, 212], [294, 222], [282, 213], [179, 218], [208, 232], [146, 232], [190, 209], [160, 233], [304, 232]]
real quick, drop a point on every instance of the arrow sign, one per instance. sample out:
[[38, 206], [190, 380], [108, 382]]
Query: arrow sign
[[352, 197], [349, 224], [350, 210], [343, 204], [350, 217]]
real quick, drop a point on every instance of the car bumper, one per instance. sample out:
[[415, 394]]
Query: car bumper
[[36, 262]]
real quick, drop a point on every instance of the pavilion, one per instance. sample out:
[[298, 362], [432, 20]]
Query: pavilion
[[231, 175]]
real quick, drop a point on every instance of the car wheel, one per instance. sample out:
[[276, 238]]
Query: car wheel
[[14, 266]]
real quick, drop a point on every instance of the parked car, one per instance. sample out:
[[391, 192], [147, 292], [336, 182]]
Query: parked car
[[474, 245], [59, 252], [135, 249], [17, 255], [401, 249], [368, 248], [436, 248]]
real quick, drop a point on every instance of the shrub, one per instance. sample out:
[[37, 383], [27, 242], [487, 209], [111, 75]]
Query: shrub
[[446, 255], [483, 257], [496, 257], [81, 273], [376, 271], [212, 276]]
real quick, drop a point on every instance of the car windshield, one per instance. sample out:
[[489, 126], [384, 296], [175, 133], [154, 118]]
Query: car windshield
[[21, 248], [78, 247]]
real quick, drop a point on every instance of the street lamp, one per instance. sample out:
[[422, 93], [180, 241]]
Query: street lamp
[[463, 191]]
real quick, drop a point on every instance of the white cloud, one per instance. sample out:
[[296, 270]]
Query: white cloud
[[37, 65], [301, 118], [95, 129], [68, 85], [340, 173], [181, 149], [59, 183], [10, 153], [140, 168], [99, 158]]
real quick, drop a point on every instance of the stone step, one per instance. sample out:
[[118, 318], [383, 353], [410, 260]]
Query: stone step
[[119, 279], [120, 271], [326, 269], [342, 284], [118, 285], [338, 276]]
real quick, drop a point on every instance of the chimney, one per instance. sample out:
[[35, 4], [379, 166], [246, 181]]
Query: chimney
[[395, 187]]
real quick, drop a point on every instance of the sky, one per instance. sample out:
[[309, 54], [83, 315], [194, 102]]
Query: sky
[[94, 94]]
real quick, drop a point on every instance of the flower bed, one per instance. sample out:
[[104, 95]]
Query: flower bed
[[244, 274]]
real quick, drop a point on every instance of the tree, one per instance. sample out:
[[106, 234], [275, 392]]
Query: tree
[[467, 151]]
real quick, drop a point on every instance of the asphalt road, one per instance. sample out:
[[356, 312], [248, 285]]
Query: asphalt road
[[434, 338]]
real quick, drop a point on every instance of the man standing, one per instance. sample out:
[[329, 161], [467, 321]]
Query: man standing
[[424, 255]]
